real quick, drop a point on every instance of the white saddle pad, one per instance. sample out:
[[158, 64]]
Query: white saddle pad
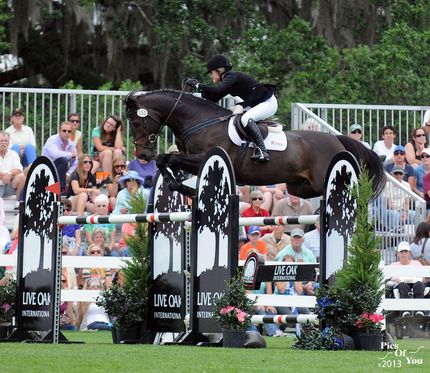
[[276, 139]]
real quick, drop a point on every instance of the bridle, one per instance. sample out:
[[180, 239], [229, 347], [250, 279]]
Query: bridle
[[154, 135]]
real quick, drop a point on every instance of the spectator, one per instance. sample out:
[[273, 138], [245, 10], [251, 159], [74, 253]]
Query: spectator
[[426, 125], [257, 211], [82, 189], [2, 216], [102, 208], [98, 236], [312, 241], [71, 233], [296, 249], [355, 132], [275, 241], [406, 284], [311, 125], [415, 146], [67, 317], [76, 135], [420, 247], [386, 146], [60, 150], [243, 192], [119, 168], [255, 244], [127, 230], [145, 167], [104, 275], [292, 206], [400, 160], [12, 178], [272, 194], [106, 142], [91, 316], [422, 170], [22, 138], [131, 183]]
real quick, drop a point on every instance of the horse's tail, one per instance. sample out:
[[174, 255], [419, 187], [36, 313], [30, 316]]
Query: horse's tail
[[369, 158]]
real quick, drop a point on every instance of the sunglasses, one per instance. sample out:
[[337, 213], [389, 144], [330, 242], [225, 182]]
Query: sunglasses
[[403, 251], [356, 131], [95, 252], [421, 135], [119, 166], [101, 205], [66, 131], [63, 281], [67, 209], [399, 153], [257, 199], [75, 121], [397, 173], [425, 156], [86, 162]]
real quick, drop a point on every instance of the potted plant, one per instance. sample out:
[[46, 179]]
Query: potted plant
[[127, 301], [7, 307], [368, 335], [233, 310], [358, 288]]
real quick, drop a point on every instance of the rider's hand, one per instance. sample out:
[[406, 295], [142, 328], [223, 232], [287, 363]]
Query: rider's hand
[[190, 82]]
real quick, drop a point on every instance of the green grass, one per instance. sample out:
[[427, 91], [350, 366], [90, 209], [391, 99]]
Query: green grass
[[98, 354]]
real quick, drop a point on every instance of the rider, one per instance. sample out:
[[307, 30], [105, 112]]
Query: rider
[[259, 99]]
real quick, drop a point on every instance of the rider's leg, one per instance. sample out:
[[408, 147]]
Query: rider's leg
[[248, 120]]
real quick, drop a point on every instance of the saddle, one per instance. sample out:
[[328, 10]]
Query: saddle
[[265, 127]]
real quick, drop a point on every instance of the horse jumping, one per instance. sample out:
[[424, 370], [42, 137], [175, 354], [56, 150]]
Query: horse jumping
[[200, 125]]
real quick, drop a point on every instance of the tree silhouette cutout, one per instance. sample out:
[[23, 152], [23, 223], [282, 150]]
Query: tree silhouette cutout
[[215, 216], [342, 206], [168, 202], [39, 211]]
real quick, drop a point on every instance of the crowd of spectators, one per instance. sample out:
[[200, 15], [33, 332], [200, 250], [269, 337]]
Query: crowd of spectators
[[102, 181]]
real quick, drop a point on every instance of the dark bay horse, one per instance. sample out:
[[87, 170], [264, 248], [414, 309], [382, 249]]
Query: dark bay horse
[[302, 165]]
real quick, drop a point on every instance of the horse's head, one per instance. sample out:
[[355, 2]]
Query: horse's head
[[145, 124]]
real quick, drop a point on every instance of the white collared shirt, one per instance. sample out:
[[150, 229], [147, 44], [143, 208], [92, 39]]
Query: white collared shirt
[[23, 136]]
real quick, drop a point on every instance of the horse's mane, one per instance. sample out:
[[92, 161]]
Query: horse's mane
[[188, 98]]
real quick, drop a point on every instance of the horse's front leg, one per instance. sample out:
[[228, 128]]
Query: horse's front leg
[[162, 164]]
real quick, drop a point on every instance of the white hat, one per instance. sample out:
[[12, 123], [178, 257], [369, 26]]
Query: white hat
[[403, 246], [101, 198]]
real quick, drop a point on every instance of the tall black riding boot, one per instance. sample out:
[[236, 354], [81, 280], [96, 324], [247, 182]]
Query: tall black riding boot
[[260, 152]]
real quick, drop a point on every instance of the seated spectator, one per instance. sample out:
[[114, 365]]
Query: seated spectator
[[420, 247], [312, 241], [2, 215], [311, 125], [119, 168], [256, 210], [22, 139], [99, 237], [243, 192], [12, 178], [102, 208], [131, 184], [272, 194], [127, 230], [292, 206], [91, 316], [60, 150], [82, 189], [106, 142], [68, 273], [255, 244], [386, 146], [422, 170], [76, 135], [417, 143], [275, 241], [71, 233], [400, 160], [104, 275], [356, 132], [296, 249], [404, 285], [67, 317], [146, 169]]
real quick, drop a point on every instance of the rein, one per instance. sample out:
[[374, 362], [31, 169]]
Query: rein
[[207, 123]]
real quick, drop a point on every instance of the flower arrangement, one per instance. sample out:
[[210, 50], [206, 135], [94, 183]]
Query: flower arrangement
[[369, 321], [7, 301], [233, 309]]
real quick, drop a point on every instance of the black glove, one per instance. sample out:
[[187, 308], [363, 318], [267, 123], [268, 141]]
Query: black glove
[[190, 82]]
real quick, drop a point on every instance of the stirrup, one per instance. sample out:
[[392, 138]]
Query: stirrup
[[259, 155]]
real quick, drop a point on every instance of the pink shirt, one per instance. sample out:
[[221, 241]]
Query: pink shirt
[[409, 279]]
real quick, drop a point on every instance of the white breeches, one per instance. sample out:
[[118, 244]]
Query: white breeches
[[261, 111]]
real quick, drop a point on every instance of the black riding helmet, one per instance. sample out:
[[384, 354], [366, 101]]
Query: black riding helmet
[[218, 61]]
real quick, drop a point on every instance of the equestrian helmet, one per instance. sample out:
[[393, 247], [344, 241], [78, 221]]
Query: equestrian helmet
[[218, 61]]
